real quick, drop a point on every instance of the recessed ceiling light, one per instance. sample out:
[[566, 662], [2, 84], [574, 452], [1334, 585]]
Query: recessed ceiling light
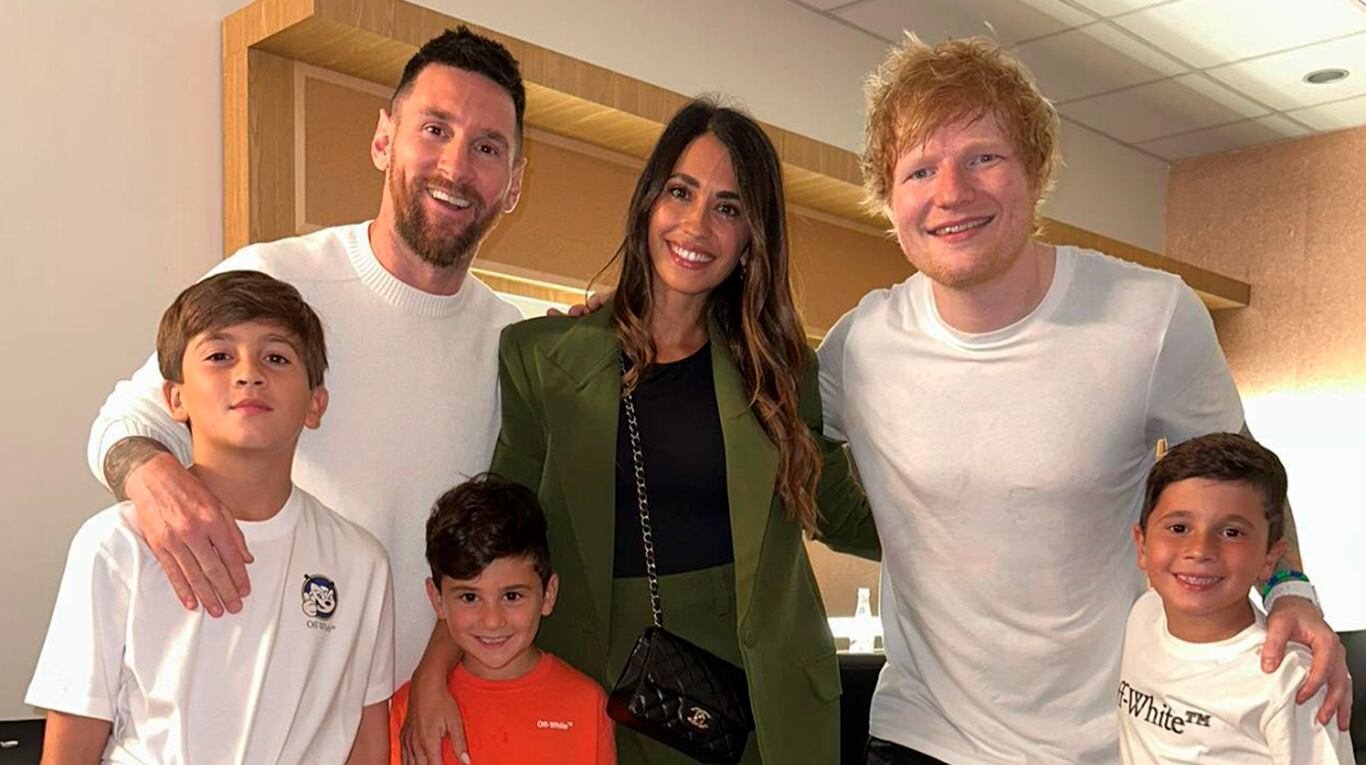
[[1325, 76]]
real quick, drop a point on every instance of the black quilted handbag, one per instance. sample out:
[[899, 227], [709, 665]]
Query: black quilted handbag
[[671, 690]]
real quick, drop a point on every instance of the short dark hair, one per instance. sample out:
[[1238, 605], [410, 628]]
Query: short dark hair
[[482, 520], [462, 49], [1227, 458], [235, 297]]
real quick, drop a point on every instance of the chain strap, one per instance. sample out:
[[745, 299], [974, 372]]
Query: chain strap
[[646, 536]]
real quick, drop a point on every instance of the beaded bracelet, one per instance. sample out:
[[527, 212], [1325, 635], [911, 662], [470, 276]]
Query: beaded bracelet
[[1288, 575]]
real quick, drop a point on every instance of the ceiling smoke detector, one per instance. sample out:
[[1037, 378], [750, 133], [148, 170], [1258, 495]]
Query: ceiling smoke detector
[[1326, 76]]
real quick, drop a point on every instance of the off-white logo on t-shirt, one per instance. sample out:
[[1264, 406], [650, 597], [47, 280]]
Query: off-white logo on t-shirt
[[1144, 707], [555, 724], [319, 601]]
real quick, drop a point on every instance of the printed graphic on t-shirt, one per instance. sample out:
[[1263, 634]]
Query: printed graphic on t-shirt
[[319, 601], [1144, 707]]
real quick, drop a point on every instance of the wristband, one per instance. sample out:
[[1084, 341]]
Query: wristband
[[1284, 575], [1298, 586]]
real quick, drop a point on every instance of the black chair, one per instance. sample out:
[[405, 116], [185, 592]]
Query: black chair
[[1355, 643]]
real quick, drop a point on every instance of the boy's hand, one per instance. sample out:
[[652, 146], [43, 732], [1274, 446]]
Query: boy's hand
[[433, 716], [1297, 619], [593, 303], [192, 534]]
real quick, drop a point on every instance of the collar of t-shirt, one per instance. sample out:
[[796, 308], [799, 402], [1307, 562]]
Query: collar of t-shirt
[[463, 677], [1064, 268], [277, 525]]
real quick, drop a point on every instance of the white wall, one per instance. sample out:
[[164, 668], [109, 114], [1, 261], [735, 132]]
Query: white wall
[[112, 183], [112, 200]]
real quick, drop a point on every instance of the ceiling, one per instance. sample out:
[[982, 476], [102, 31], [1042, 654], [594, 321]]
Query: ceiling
[[1171, 78]]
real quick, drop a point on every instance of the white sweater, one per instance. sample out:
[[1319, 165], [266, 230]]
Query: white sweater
[[413, 380]]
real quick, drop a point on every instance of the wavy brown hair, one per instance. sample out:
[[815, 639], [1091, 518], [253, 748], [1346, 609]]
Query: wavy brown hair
[[753, 306]]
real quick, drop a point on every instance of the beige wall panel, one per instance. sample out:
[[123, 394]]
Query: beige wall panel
[[339, 122], [1288, 218]]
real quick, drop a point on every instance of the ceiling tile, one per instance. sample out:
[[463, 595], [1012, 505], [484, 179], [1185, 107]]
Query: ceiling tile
[[1335, 116], [1224, 138], [1278, 80], [1207, 33], [1115, 7], [1093, 59], [937, 20], [1163, 108]]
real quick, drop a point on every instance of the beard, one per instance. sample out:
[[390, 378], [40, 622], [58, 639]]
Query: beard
[[443, 246]]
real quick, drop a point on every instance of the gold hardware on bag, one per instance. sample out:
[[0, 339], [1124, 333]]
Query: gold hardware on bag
[[700, 718]]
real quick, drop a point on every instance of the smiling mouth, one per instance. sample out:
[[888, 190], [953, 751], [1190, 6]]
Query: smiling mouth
[[490, 642], [691, 256], [449, 199], [958, 227], [1198, 582]]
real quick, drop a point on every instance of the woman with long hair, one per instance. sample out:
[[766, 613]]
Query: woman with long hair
[[703, 344]]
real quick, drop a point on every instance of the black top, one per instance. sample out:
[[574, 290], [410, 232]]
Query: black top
[[685, 472]]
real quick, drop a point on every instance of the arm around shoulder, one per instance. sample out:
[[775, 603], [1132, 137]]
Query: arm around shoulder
[[844, 518]]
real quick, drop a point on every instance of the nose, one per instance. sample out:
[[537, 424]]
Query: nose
[[952, 186], [694, 220], [454, 162], [1201, 547], [248, 373], [491, 616]]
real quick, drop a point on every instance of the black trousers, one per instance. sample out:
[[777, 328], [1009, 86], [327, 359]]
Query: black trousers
[[879, 752]]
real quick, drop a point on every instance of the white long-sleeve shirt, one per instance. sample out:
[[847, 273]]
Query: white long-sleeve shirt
[[413, 410]]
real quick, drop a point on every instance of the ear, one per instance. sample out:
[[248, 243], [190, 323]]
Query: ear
[[384, 137], [1138, 543], [514, 194], [171, 392], [1272, 555], [316, 406], [552, 591], [434, 595]]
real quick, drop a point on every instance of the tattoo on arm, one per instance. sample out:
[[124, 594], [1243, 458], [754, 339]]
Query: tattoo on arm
[[126, 456]]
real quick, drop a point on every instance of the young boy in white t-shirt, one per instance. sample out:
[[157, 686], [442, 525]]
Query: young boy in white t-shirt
[[304, 671], [1191, 684]]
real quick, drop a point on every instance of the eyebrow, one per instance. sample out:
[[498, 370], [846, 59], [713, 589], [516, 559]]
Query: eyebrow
[[273, 337], [436, 112], [694, 183]]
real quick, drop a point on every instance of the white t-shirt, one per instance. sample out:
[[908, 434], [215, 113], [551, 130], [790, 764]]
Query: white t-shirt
[[284, 680], [413, 409], [1211, 703], [1004, 470]]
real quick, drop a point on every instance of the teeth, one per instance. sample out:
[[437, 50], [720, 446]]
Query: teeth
[[449, 198], [691, 256], [960, 227], [1199, 581]]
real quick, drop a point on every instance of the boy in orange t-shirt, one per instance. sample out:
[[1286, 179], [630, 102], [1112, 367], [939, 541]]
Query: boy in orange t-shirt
[[491, 584]]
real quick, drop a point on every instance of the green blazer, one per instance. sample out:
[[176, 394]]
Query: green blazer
[[561, 388]]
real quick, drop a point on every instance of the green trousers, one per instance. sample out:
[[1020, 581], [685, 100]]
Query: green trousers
[[698, 606]]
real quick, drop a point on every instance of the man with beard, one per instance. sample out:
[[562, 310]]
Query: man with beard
[[1002, 406], [413, 340]]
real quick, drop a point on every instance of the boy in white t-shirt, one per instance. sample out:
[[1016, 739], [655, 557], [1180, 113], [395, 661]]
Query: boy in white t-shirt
[[1191, 686], [304, 671]]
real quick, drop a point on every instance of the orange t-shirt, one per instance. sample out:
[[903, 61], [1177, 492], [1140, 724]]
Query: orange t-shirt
[[554, 713]]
